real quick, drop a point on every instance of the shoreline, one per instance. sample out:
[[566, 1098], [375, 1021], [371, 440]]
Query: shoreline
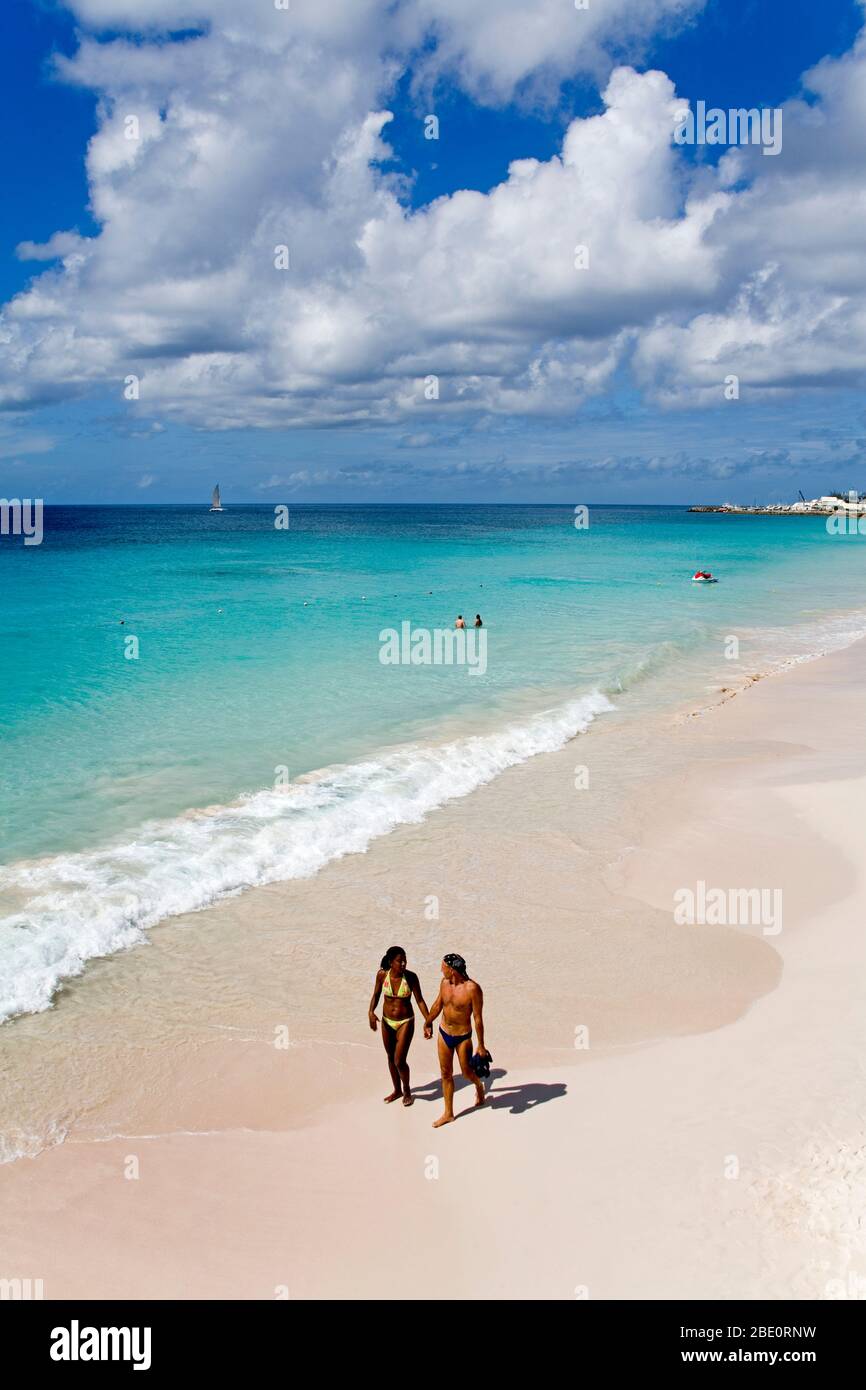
[[184, 1013], [627, 1139], [94, 900]]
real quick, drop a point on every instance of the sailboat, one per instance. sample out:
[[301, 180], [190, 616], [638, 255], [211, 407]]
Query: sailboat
[[215, 504]]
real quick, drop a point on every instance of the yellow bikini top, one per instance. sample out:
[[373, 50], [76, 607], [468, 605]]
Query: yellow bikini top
[[402, 993]]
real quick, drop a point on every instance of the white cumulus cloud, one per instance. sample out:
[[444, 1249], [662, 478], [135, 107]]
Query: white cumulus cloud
[[255, 264]]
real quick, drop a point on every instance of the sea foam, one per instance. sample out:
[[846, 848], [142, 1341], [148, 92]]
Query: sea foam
[[71, 908]]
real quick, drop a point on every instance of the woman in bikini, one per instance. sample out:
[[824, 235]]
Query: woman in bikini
[[398, 1017]]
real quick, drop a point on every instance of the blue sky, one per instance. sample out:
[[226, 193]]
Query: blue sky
[[270, 393]]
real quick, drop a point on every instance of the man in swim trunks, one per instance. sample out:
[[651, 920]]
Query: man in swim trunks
[[460, 1001]]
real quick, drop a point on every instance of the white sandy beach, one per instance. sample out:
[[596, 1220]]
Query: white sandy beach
[[711, 1142]]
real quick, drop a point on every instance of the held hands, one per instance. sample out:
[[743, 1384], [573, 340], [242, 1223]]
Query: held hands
[[428, 1029]]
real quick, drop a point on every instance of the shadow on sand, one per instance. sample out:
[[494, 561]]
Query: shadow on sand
[[516, 1099]]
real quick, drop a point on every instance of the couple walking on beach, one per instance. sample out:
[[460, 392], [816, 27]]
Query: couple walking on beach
[[460, 1001]]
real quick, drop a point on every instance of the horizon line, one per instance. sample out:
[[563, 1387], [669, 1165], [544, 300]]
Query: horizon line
[[197, 502]]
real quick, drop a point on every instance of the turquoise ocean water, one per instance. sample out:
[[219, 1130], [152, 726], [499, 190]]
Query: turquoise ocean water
[[257, 734]]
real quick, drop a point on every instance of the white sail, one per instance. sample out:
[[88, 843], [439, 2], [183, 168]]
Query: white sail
[[215, 504]]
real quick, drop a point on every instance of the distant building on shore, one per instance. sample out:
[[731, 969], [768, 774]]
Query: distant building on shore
[[828, 505]]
